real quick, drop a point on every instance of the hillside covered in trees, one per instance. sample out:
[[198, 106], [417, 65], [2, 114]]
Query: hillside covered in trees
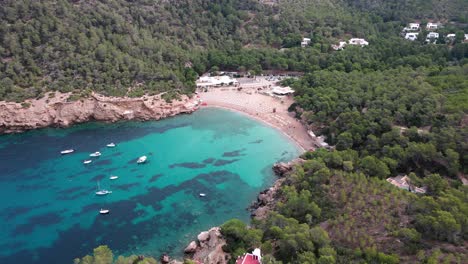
[[392, 108], [135, 47]]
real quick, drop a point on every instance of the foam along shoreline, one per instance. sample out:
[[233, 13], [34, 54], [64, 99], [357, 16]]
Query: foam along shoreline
[[260, 107], [55, 110]]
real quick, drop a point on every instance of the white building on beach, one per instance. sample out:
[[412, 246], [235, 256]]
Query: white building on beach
[[208, 81]]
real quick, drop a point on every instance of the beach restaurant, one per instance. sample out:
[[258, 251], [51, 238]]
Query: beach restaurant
[[215, 81], [282, 90]]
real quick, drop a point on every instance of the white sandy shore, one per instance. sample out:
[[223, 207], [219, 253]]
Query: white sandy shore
[[261, 107]]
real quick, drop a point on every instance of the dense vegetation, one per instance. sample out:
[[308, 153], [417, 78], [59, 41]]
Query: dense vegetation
[[395, 107], [135, 47]]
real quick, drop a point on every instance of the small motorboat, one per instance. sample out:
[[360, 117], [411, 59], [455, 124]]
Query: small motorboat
[[67, 151], [142, 159], [103, 192], [202, 194], [113, 177], [104, 211], [87, 161], [110, 145], [95, 154]]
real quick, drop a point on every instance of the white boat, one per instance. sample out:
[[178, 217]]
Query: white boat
[[87, 161], [104, 211], [141, 159], [103, 191], [113, 177], [95, 154], [202, 194], [67, 151], [110, 145]]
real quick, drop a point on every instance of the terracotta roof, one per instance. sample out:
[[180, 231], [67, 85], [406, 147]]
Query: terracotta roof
[[248, 259]]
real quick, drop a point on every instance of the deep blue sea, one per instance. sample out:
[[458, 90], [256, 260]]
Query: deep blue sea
[[49, 211]]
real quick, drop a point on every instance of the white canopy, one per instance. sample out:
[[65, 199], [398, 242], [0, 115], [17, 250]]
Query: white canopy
[[282, 90]]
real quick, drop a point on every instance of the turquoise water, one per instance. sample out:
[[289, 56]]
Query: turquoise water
[[50, 212]]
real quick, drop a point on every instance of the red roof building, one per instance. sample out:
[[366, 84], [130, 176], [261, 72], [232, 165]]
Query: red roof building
[[250, 258]]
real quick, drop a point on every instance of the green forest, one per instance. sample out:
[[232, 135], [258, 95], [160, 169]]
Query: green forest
[[392, 108]]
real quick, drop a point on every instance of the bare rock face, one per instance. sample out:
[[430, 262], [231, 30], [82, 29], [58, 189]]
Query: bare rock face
[[56, 111], [191, 248], [210, 249], [266, 200], [282, 168]]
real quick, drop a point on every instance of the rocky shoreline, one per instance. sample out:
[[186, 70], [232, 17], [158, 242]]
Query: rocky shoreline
[[56, 110], [208, 248]]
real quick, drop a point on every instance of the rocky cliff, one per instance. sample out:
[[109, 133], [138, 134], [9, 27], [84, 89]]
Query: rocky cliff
[[208, 248], [57, 110]]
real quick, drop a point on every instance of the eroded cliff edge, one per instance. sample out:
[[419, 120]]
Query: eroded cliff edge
[[56, 110]]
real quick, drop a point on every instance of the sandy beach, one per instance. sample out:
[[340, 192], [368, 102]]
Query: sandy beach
[[260, 106]]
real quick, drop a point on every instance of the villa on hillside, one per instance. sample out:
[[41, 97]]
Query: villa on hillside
[[305, 42], [250, 258], [354, 41], [411, 26], [403, 182], [340, 46], [450, 36], [358, 41], [411, 36], [432, 37], [432, 26]]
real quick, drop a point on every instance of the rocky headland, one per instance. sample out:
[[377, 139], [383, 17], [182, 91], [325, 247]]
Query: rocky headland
[[57, 110]]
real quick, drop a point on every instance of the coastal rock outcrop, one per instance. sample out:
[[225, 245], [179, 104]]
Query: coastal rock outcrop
[[208, 248], [266, 200], [191, 248], [281, 168], [56, 110]]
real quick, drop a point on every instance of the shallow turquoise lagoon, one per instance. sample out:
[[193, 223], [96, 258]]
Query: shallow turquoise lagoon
[[50, 213]]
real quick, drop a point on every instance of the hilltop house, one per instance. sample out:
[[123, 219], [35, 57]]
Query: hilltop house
[[358, 41], [339, 46], [432, 26], [412, 26], [250, 258], [305, 42], [403, 182], [432, 37], [450, 36], [411, 36]]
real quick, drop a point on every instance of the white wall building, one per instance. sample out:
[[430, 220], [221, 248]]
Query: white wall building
[[432, 36], [451, 36], [358, 41], [207, 81], [411, 36], [412, 27], [339, 46], [431, 25], [305, 42]]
